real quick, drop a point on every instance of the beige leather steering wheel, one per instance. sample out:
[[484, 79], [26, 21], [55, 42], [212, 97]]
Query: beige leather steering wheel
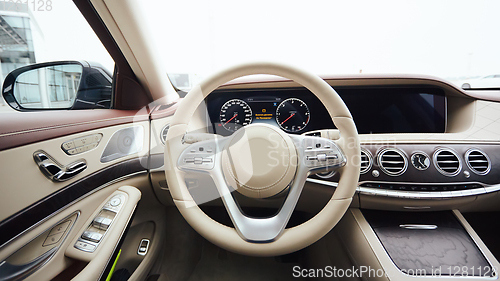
[[246, 162]]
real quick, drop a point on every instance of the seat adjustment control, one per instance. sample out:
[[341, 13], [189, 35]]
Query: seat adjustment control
[[56, 172], [81, 145]]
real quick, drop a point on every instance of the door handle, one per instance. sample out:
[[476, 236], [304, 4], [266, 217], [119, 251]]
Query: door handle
[[56, 172]]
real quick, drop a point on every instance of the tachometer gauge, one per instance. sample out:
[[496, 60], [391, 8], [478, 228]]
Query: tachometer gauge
[[292, 115], [235, 114]]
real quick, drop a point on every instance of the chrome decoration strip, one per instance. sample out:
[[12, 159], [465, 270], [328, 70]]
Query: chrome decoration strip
[[416, 194], [418, 226]]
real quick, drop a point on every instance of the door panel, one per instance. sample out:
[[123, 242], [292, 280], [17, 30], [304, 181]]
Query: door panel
[[22, 182], [38, 251], [36, 213], [32, 204], [87, 208]]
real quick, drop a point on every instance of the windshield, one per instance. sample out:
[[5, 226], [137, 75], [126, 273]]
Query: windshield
[[454, 40]]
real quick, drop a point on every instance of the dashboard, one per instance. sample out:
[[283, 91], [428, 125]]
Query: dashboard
[[425, 144], [296, 110]]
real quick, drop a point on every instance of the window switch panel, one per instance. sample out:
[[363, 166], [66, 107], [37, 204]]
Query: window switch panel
[[92, 236], [99, 226]]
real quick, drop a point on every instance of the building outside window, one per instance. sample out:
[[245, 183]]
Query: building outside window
[[20, 37]]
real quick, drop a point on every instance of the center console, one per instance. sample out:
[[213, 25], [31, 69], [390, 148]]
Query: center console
[[409, 245]]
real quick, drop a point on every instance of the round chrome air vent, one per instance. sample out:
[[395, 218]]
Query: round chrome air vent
[[163, 133], [477, 161], [366, 161], [447, 162], [392, 161]]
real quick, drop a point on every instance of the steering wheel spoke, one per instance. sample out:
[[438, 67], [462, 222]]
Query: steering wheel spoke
[[261, 229]]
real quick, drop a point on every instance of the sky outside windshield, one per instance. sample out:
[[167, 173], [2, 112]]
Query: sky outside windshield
[[442, 38], [449, 39]]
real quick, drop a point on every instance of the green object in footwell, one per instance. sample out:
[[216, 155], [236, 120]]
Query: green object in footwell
[[114, 265]]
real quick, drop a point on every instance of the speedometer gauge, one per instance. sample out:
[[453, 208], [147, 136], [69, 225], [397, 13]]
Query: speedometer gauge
[[235, 114], [292, 115]]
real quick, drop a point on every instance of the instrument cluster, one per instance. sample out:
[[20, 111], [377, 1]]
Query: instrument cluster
[[291, 111], [292, 115]]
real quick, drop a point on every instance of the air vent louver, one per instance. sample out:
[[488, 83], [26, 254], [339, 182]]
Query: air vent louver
[[392, 162], [478, 161], [447, 162], [163, 133], [366, 161]]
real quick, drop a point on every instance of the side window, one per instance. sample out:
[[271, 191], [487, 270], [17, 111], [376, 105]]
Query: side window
[[50, 58]]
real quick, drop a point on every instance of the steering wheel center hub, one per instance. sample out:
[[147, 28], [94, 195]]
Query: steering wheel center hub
[[259, 161]]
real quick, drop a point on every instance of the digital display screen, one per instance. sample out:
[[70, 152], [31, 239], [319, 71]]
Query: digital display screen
[[264, 109], [396, 110], [375, 110]]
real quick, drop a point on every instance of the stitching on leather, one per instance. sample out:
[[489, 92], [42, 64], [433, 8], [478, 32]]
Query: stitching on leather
[[39, 129]]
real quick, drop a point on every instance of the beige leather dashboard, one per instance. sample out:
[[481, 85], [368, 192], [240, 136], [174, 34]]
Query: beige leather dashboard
[[472, 124]]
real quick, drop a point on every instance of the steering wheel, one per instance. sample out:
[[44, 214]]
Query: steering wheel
[[262, 161]]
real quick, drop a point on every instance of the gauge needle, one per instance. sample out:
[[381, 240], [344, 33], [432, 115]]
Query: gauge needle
[[287, 118], [421, 161], [233, 118]]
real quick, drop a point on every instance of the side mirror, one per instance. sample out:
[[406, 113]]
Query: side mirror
[[58, 85]]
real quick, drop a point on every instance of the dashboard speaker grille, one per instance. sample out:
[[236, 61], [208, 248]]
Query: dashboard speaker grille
[[478, 161], [392, 162], [366, 161], [447, 162]]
